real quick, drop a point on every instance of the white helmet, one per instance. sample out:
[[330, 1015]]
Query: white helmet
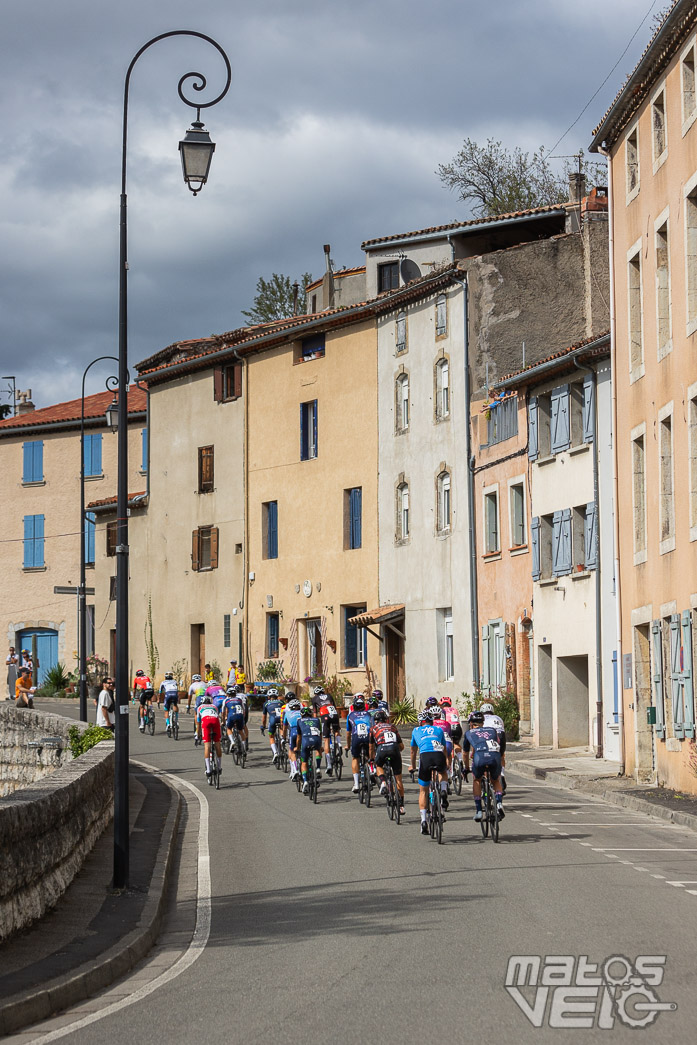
[[273, 692], [488, 709], [195, 678]]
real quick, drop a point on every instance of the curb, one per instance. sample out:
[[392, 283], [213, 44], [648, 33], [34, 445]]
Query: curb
[[80, 984], [597, 787]]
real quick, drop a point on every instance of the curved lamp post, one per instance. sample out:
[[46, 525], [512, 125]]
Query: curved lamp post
[[196, 151], [110, 416]]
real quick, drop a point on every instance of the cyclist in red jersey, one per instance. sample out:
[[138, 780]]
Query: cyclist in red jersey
[[208, 729], [385, 742]]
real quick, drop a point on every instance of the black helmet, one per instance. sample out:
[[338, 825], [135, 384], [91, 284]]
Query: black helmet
[[477, 718], [381, 715], [372, 702], [359, 704], [306, 713]]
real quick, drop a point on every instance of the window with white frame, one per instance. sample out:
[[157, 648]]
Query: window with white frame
[[444, 504], [658, 128], [446, 658], [441, 316], [401, 332], [492, 531], [639, 493], [632, 163], [442, 389], [636, 337], [518, 530], [689, 101], [402, 403], [666, 498], [402, 529], [691, 252], [663, 317], [692, 450]]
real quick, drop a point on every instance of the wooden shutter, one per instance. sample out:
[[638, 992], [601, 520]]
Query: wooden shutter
[[356, 512], [237, 380], [533, 430], [556, 544], [560, 427], [205, 469], [591, 536], [195, 553], [293, 649], [313, 410], [272, 529], [218, 385], [657, 677], [676, 675], [588, 408], [214, 547], [486, 642], [111, 538], [144, 449], [535, 536], [350, 639], [688, 685]]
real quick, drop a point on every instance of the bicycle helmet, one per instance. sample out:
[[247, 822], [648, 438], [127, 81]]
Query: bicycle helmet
[[289, 696], [239, 687], [425, 716], [139, 672], [294, 704], [477, 718], [431, 702], [377, 693], [381, 715], [446, 702], [273, 692], [207, 699], [306, 713], [372, 702], [169, 675], [359, 704], [487, 708], [195, 678], [317, 691]]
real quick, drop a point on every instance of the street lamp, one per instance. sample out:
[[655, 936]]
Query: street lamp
[[111, 384], [196, 151]]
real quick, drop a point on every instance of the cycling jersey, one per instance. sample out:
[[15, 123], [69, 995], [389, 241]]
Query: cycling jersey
[[383, 733], [428, 738], [494, 722], [309, 736], [170, 690], [209, 721], [452, 716], [485, 740], [196, 688], [291, 720], [142, 682], [233, 706], [272, 709], [214, 689], [358, 724]]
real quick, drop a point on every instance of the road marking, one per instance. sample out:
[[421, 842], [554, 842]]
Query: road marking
[[681, 884], [198, 940], [584, 823], [655, 849]]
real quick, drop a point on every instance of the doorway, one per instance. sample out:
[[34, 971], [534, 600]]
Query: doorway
[[573, 718], [46, 649], [198, 649], [394, 663], [544, 695], [644, 732]]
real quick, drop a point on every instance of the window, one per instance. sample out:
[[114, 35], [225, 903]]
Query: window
[[636, 341], [205, 469], [578, 538], [313, 304], [666, 501], [545, 561], [272, 633], [402, 511], [446, 661], [33, 542], [442, 389], [204, 548], [313, 631], [112, 589], [33, 453], [632, 161], [227, 382], [312, 348], [502, 422], [388, 276], [402, 403], [689, 103], [355, 639], [308, 430], [143, 449], [90, 519], [112, 538], [561, 543], [639, 496], [401, 332], [560, 419], [663, 328], [658, 124], [353, 517], [226, 631], [269, 529], [492, 536], [444, 505], [516, 494], [494, 656], [441, 316], [691, 256], [93, 454]]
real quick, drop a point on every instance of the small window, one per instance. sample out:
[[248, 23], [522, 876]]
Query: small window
[[636, 339], [227, 382], [204, 548], [312, 347], [689, 103], [639, 492], [441, 316], [402, 403], [33, 542], [517, 514], [313, 304], [112, 538], [666, 496], [446, 659], [33, 454], [226, 630], [93, 454], [90, 520], [388, 276], [658, 123], [308, 430], [238, 549], [401, 332], [269, 529], [112, 589], [632, 161], [355, 639], [205, 469], [444, 503], [272, 633], [442, 389], [402, 511], [663, 317], [353, 518], [492, 533], [578, 538]]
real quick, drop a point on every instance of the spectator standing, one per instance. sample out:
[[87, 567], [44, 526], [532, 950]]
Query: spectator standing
[[12, 662], [106, 705], [232, 673]]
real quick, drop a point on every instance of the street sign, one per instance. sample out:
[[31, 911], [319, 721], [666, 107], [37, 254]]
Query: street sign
[[65, 589]]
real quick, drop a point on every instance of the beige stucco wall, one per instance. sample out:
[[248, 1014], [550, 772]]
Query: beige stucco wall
[[649, 589], [310, 494], [28, 599]]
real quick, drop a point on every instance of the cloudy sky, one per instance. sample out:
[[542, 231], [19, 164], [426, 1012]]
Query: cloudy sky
[[338, 115]]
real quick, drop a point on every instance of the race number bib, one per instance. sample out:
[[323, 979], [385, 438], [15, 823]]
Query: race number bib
[[493, 745], [388, 737], [362, 729], [314, 732]]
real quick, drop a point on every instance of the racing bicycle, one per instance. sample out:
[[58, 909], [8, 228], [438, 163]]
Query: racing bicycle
[[239, 755], [490, 815], [394, 801], [435, 808]]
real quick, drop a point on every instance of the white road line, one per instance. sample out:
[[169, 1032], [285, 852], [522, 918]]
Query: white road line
[[661, 876], [692, 892], [198, 941], [656, 849], [681, 883], [584, 823]]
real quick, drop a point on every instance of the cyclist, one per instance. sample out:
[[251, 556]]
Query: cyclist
[[272, 711], [169, 692], [208, 729], [452, 716], [331, 724], [197, 688], [428, 741], [291, 717], [242, 694], [233, 712], [487, 745], [496, 722], [439, 719], [385, 742], [382, 703], [308, 738], [358, 726], [143, 693]]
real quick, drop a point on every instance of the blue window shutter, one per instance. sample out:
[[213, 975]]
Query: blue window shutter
[[556, 544], [676, 675], [38, 460], [657, 677], [93, 454], [533, 431], [144, 450], [28, 469], [33, 465], [355, 498], [90, 518], [560, 426], [272, 529], [38, 540], [303, 432], [486, 643], [566, 547], [591, 536], [350, 639], [273, 635], [313, 410], [28, 541], [688, 685], [535, 536], [589, 408]]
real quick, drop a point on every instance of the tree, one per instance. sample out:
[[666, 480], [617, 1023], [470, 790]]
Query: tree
[[5, 410], [274, 298], [495, 180]]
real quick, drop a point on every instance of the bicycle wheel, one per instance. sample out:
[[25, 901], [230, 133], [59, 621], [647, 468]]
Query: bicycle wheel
[[438, 815], [243, 753], [431, 812], [368, 785], [215, 772], [234, 747], [151, 723], [493, 816], [457, 777], [398, 803], [175, 728], [299, 776], [484, 823], [391, 788], [315, 782], [361, 780]]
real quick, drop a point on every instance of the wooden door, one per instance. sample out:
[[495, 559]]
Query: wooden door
[[394, 656]]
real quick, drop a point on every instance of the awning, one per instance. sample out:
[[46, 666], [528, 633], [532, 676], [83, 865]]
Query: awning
[[381, 615]]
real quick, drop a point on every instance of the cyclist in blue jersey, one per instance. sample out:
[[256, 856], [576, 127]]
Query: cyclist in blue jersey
[[272, 711], [428, 741], [291, 717], [169, 690], [487, 745], [358, 726], [233, 714], [308, 739]]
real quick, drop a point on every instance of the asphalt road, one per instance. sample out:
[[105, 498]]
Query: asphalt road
[[330, 922]]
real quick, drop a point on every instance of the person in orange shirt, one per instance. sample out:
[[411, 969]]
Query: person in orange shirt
[[24, 691]]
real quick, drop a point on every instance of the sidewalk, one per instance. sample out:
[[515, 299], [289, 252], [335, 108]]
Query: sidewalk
[[95, 934], [578, 769]]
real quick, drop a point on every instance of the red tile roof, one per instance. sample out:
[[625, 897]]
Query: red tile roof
[[337, 275], [107, 502], [533, 212], [65, 413], [599, 343]]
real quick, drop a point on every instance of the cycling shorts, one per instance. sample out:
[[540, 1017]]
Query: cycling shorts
[[293, 739], [456, 733], [392, 752], [235, 720], [273, 726], [448, 746], [308, 745], [429, 761], [170, 699], [487, 760], [358, 743], [145, 696], [330, 726], [210, 729]]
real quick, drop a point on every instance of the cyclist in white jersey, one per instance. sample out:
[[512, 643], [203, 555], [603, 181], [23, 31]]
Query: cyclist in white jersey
[[495, 722]]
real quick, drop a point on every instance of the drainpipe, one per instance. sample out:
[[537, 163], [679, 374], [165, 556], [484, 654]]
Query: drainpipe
[[474, 607], [245, 536], [615, 483]]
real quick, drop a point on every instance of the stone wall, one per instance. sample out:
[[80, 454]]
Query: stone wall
[[20, 763], [48, 827]]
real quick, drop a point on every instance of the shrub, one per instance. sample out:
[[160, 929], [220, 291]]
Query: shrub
[[270, 671], [81, 742], [506, 707], [404, 713], [57, 678]]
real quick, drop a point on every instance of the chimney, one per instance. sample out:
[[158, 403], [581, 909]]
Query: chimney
[[328, 280], [296, 291], [25, 404], [577, 187]]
